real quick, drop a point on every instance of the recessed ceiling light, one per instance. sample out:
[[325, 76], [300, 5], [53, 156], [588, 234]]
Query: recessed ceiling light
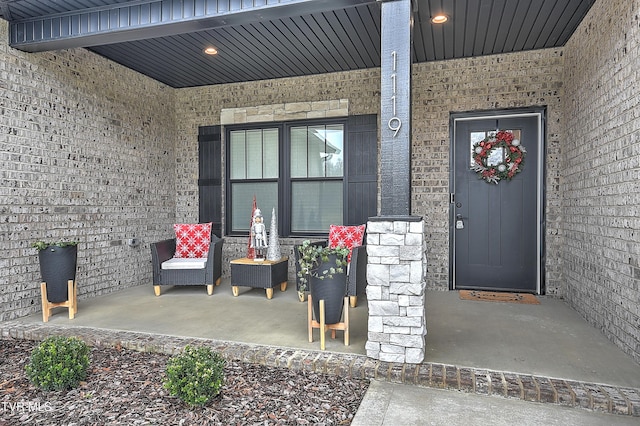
[[440, 19], [211, 51]]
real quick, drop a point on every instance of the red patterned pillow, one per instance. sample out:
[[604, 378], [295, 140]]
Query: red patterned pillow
[[192, 239], [346, 236]]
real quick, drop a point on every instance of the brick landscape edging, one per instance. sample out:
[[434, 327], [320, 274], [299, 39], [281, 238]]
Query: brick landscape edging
[[591, 396]]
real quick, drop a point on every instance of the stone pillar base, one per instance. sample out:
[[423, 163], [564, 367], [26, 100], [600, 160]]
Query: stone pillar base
[[396, 289]]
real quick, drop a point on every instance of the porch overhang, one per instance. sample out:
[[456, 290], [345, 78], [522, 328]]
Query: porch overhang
[[139, 20], [271, 39]]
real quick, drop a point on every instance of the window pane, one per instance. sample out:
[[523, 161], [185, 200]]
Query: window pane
[[254, 154], [298, 152], [334, 136], [474, 138], [242, 202], [316, 151], [315, 206], [495, 157], [237, 168], [270, 165]]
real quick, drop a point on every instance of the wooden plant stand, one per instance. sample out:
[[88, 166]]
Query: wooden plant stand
[[71, 303], [324, 327]]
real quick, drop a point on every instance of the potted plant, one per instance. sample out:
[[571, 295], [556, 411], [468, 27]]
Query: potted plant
[[323, 272], [58, 262]]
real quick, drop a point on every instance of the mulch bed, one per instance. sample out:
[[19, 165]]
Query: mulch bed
[[126, 387]]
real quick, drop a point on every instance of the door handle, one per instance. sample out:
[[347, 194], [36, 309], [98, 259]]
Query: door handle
[[459, 222]]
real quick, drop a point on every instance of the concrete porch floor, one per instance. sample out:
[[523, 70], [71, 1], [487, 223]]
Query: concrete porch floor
[[549, 339]]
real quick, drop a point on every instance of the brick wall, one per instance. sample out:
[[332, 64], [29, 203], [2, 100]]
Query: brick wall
[[601, 171], [86, 148]]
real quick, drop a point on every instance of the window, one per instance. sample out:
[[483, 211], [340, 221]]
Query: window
[[312, 179], [253, 170], [496, 156], [302, 170], [317, 171]]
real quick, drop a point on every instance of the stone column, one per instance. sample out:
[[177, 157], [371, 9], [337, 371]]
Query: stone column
[[396, 289]]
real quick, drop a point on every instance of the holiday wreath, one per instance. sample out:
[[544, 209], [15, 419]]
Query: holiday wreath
[[498, 156]]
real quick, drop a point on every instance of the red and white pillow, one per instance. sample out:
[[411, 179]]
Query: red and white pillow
[[192, 240], [346, 236]]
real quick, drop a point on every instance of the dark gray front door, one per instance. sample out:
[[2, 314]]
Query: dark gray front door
[[495, 227]]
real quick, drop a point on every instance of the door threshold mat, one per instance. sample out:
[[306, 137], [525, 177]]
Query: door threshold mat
[[496, 296]]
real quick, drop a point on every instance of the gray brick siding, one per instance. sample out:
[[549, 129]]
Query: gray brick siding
[[86, 148], [601, 172]]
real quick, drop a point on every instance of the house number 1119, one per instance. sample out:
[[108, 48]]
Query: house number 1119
[[394, 123]]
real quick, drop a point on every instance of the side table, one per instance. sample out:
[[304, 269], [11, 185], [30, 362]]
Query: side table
[[262, 274]]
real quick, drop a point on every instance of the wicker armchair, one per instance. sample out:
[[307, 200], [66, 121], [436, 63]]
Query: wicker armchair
[[208, 274]]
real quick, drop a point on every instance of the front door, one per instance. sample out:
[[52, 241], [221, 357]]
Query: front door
[[496, 228]]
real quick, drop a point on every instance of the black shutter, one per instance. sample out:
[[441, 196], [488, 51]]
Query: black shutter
[[210, 176], [360, 201]]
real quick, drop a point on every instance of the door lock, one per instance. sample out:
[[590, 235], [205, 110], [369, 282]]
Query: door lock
[[459, 222]]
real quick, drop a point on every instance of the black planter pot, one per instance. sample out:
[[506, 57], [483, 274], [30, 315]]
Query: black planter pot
[[57, 267], [331, 290]]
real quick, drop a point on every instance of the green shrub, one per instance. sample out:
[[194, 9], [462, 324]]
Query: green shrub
[[58, 363], [195, 376]]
